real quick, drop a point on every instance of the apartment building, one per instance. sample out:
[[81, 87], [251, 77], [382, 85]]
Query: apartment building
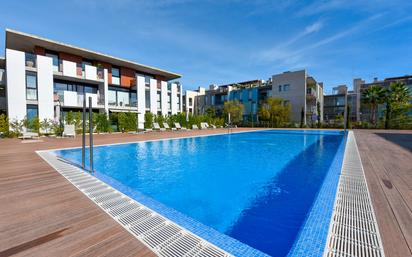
[[334, 104], [3, 105], [364, 110], [194, 101], [250, 93], [302, 92], [46, 78]]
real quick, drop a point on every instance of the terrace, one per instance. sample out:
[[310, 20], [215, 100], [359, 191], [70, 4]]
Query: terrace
[[44, 214]]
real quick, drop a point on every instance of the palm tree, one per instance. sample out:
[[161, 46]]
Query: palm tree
[[396, 96], [373, 95]]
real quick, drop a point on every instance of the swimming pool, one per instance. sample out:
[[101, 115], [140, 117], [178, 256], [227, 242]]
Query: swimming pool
[[248, 193]]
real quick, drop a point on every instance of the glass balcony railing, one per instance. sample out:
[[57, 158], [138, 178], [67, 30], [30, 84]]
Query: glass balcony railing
[[31, 60]]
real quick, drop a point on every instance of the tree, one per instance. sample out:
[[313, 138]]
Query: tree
[[373, 96], [4, 125], [16, 127], [102, 122], [46, 126], [235, 108], [211, 112], [69, 118], [274, 110], [397, 105]]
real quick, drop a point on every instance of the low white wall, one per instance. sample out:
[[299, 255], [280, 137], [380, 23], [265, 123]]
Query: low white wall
[[174, 99], [91, 72], [69, 68]]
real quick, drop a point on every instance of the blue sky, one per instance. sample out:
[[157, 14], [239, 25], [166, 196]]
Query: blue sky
[[230, 41]]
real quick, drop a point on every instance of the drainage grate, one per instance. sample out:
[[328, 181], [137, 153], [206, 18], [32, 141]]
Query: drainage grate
[[353, 230], [161, 235]]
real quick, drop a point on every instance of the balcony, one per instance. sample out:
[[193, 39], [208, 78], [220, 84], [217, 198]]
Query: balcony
[[71, 69], [30, 60], [74, 99]]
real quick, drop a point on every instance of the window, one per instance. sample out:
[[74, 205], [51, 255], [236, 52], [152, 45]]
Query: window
[[55, 59], [147, 98], [115, 76], [250, 94], [190, 101], [112, 97], [280, 88], [286, 87], [123, 98], [31, 86], [169, 100], [32, 112], [159, 100], [286, 103], [133, 99]]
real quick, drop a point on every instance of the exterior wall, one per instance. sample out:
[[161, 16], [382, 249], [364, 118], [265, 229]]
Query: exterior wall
[[45, 94], [249, 98], [296, 94], [164, 97], [153, 95], [16, 84], [141, 104], [39, 50], [174, 98], [190, 108], [127, 77], [108, 66], [70, 57], [106, 90]]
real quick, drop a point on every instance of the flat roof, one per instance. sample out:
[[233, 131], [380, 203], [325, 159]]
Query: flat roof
[[26, 42]]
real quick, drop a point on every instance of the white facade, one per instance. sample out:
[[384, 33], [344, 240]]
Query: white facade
[[153, 96], [45, 93], [16, 84], [50, 103], [164, 99], [173, 92], [141, 102]]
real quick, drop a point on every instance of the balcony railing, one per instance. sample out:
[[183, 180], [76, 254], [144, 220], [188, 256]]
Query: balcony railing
[[73, 99], [30, 60]]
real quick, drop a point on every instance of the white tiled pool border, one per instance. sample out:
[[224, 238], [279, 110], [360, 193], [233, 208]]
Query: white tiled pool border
[[161, 235], [353, 229]]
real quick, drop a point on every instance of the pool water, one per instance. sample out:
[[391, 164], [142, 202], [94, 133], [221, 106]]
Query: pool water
[[256, 187]]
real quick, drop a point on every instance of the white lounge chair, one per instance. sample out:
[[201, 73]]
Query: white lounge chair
[[213, 126], [194, 127], [178, 127], [69, 131], [28, 135], [203, 125], [166, 126], [157, 127]]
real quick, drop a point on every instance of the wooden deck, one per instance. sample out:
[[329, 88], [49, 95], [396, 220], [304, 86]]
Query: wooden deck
[[42, 214], [387, 161]]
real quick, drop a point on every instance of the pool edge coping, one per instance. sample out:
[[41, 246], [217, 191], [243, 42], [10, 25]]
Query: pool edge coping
[[334, 238], [72, 174]]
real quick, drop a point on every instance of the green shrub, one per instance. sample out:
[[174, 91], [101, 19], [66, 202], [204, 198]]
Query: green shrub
[[127, 121], [16, 127], [4, 125], [102, 122], [148, 120]]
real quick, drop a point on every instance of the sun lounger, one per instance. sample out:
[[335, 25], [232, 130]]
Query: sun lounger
[[29, 135], [178, 127], [194, 127], [203, 125], [69, 131], [157, 127], [166, 126]]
